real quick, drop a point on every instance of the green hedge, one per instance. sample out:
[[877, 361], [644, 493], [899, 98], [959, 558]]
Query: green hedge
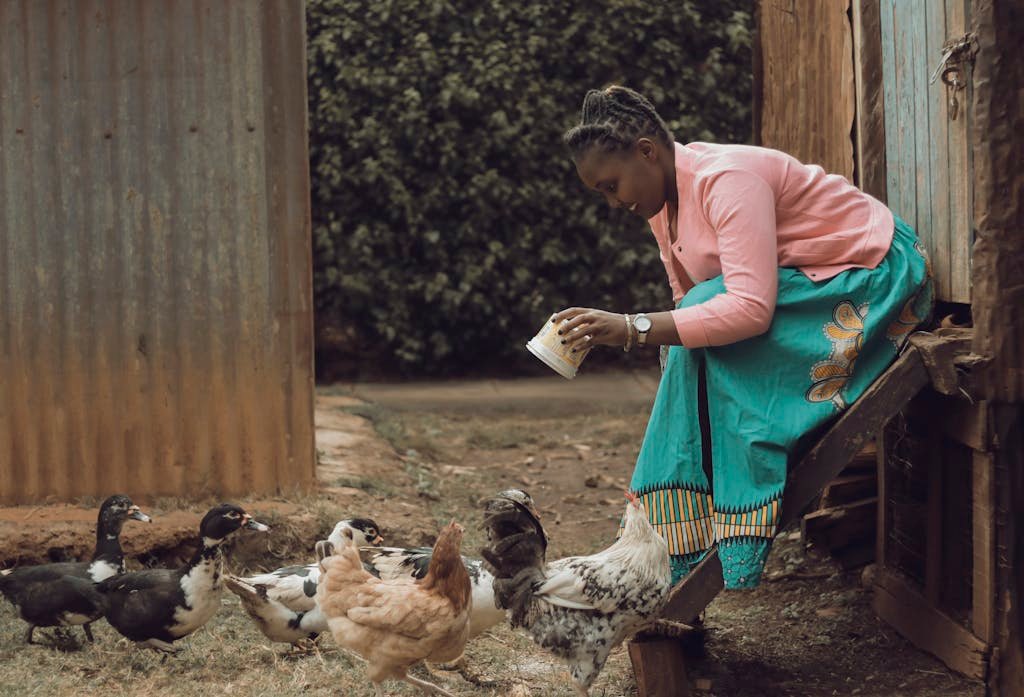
[[448, 221]]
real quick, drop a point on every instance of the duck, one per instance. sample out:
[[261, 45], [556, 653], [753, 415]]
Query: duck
[[281, 623], [282, 602], [156, 607], [64, 593]]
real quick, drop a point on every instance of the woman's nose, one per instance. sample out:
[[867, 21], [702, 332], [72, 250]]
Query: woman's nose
[[613, 201]]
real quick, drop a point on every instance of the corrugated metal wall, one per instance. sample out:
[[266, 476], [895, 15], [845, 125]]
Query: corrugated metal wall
[[156, 315], [806, 81]]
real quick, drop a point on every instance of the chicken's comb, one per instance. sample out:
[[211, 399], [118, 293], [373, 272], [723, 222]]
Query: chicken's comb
[[632, 497]]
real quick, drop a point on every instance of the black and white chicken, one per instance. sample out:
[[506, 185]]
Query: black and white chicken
[[63, 594], [578, 608]]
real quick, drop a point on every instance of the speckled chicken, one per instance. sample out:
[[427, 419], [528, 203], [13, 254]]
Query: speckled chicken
[[396, 623], [578, 608]]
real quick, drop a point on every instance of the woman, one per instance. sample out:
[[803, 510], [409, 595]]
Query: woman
[[794, 291]]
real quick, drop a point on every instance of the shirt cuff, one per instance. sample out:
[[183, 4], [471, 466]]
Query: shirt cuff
[[690, 327]]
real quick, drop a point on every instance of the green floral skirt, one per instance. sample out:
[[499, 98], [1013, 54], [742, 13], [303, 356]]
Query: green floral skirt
[[828, 341]]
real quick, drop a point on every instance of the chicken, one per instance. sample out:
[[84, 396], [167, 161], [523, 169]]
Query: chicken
[[396, 623], [398, 562], [578, 608], [283, 623]]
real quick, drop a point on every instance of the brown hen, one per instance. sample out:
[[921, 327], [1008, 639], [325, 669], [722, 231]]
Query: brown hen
[[396, 623]]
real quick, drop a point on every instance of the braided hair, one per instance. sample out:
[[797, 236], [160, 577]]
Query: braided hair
[[613, 119]]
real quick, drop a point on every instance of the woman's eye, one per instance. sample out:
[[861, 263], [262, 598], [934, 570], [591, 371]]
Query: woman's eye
[[612, 188]]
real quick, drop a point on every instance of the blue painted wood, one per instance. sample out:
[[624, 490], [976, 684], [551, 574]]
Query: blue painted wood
[[917, 30], [904, 27], [938, 239], [928, 160], [889, 95], [961, 175]]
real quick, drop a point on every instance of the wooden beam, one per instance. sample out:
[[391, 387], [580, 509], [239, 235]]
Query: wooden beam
[[983, 546], [928, 628], [850, 488], [1008, 431], [955, 418], [933, 531], [841, 526], [997, 149], [660, 667], [697, 589], [858, 424], [870, 99], [882, 442], [939, 351]]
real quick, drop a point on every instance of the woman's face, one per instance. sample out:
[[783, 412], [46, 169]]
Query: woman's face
[[632, 179]]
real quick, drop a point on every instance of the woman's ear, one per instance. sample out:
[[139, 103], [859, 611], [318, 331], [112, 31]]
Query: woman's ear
[[645, 146]]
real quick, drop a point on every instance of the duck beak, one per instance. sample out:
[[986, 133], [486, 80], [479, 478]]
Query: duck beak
[[252, 524], [136, 514], [377, 541]]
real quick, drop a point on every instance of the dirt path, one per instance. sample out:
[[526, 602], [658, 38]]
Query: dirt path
[[415, 456]]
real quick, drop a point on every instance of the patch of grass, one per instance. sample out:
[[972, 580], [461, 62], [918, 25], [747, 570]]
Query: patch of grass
[[230, 657]]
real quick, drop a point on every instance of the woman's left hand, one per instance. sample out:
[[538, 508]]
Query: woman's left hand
[[592, 327]]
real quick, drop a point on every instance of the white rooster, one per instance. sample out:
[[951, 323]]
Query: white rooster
[[578, 608]]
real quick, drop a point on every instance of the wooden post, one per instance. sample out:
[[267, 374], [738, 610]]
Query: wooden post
[[983, 546], [882, 513], [659, 666], [933, 531], [1007, 676], [869, 160]]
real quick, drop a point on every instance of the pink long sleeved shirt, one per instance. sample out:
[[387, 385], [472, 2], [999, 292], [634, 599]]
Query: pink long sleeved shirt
[[745, 211]]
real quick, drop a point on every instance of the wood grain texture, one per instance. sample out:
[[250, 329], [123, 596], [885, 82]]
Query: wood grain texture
[[998, 151], [807, 87], [911, 615], [869, 82]]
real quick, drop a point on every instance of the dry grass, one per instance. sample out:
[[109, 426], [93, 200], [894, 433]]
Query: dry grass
[[230, 657]]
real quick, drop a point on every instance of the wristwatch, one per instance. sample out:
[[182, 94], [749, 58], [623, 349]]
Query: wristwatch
[[643, 325]]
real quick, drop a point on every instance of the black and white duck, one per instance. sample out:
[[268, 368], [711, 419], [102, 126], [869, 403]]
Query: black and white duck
[[156, 607], [64, 594], [280, 623], [294, 587]]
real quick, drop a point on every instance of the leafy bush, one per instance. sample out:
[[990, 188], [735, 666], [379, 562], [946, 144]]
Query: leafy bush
[[448, 218]]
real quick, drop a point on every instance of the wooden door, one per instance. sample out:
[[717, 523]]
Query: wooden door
[[928, 162]]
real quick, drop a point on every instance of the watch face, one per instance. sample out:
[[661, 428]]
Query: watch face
[[642, 323]]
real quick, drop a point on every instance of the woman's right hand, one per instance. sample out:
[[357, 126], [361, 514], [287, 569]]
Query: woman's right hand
[[588, 327]]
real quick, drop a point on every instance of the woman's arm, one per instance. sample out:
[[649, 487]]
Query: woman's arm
[[741, 208], [609, 328]]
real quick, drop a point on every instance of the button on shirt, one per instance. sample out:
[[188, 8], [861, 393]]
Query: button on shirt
[[745, 211]]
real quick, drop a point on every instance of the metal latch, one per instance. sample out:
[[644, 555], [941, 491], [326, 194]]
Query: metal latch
[[955, 54]]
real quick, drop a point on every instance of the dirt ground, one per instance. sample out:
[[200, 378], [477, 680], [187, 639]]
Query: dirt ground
[[413, 457]]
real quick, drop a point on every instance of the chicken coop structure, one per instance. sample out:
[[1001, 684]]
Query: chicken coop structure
[[156, 323], [918, 103]]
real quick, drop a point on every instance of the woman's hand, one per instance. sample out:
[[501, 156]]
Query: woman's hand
[[588, 327]]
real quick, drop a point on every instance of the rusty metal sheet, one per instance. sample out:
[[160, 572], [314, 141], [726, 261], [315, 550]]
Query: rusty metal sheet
[[807, 85], [156, 321]]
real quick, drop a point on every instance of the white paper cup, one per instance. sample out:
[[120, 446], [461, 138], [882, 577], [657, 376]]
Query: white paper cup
[[548, 347]]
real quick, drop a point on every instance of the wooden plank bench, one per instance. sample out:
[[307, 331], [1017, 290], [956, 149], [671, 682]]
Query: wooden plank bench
[[658, 663]]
